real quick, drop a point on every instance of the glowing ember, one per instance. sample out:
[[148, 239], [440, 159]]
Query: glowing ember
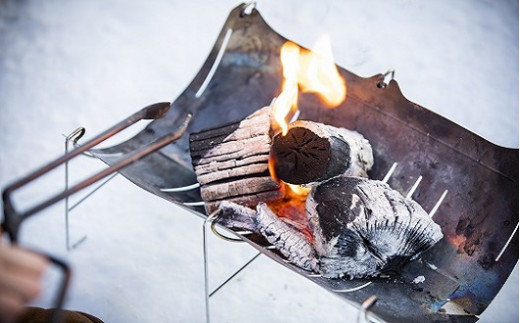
[[298, 189]]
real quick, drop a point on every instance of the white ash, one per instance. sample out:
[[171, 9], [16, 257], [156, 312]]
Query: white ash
[[360, 228], [364, 228], [419, 279], [231, 162], [288, 239]]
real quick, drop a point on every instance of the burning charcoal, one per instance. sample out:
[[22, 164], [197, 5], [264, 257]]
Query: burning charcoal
[[283, 233], [231, 162], [364, 228], [313, 152], [287, 238], [359, 227]]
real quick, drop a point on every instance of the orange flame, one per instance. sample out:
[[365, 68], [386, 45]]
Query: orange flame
[[287, 101], [311, 71], [298, 189], [319, 74]]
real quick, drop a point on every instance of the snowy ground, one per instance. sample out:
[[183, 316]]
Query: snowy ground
[[65, 64]]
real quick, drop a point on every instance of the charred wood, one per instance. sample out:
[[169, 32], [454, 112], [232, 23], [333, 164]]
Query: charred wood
[[313, 152], [363, 228], [231, 162], [359, 228]]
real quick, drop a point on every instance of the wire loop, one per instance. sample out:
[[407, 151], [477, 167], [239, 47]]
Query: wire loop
[[382, 83], [248, 8]]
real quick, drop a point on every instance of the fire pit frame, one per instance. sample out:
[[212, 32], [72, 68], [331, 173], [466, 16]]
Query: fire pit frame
[[478, 214]]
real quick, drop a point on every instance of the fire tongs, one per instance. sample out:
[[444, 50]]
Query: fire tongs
[[13, 218]]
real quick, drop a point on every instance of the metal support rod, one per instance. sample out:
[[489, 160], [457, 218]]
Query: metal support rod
[[507, 243], [93, 191], [207, 294], [234, 274], [413, 188], [74, 136], [206, 269], [206, 278], [389, 173]]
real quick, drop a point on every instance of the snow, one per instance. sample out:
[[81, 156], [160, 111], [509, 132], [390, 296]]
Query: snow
[[65, 64]]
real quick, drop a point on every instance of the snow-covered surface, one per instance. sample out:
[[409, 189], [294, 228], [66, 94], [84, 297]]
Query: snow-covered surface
[[65, 64]]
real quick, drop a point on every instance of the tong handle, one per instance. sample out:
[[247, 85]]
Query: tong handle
[[62, 289], [13, 219]]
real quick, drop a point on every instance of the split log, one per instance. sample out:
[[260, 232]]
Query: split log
[[364, 228], [313, 152], [231, 162]]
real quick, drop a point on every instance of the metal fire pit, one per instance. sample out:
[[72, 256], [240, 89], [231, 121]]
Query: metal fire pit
[[479, 212]]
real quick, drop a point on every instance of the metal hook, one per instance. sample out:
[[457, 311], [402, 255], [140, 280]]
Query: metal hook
[[365, 307], [381, 83], [248, 8], [212, 217], [76, 135], [223, 237]]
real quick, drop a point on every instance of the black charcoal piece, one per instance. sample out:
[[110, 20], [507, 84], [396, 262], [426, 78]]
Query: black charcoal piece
[[313, 152]]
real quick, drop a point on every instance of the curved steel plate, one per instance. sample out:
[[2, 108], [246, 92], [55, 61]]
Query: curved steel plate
[[477, 216]]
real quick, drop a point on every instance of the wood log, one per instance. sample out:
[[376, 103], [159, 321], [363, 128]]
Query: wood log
[[313, 152], [364, 228], [231, 162]]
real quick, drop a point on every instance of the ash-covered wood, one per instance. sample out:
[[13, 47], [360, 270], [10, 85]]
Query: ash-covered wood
[[231, 162], [359, 228], [283, 233], [362, 227], [313, 152]]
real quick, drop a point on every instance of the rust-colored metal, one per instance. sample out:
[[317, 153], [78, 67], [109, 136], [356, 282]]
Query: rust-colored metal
[[477, 216]]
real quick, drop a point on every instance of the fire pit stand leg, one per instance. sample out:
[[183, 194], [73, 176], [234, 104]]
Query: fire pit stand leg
[[73, 138], [207, 293]]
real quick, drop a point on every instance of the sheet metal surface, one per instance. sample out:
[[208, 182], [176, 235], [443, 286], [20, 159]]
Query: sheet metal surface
[[477, 217]]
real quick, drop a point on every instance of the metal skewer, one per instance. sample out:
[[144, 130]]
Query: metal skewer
[[507, 243], [181, 188], [438, 204], [389, 173], [414, 187]]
